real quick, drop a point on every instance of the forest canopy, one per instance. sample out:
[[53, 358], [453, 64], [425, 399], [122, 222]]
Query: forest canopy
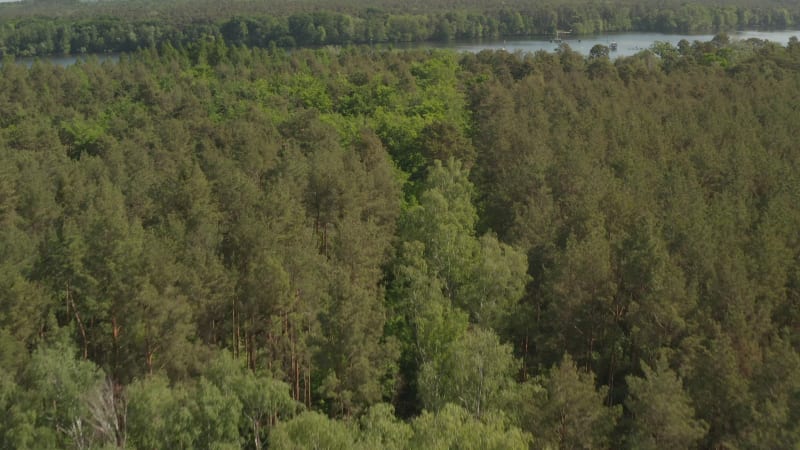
[[213, 245]]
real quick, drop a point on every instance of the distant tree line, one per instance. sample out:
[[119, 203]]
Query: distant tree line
[[24, 35]]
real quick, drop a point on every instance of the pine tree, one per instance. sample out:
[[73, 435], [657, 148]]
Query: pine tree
[[662, 412]]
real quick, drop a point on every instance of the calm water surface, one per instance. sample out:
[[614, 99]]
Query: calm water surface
[[68, 60], [627, 43]]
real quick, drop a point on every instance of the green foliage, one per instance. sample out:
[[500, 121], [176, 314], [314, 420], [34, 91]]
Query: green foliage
[[150, 422], [481, 276], [569, 412], [778, 408], [444, 222], [455, 427], [263, 399], [82, 137], [380, 428], [200, 415], [663, 416], [473, 373], [49, 405], [216, 416], [312, 430]]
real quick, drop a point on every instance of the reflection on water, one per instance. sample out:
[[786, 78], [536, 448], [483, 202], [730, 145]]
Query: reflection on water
[[627, 43], [68, 60]]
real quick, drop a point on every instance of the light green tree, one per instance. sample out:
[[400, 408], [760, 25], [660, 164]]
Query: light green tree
[[380, 428], [56, 385], [151, 414], [312, 430], [200, 415], [455, 427], [473, 373], [264, 400]]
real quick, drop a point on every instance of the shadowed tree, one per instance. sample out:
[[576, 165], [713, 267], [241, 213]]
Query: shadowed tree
[[569, 413], [662, 413]]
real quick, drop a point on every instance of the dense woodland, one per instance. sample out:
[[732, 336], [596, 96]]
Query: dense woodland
[[221, 247], [36, 27]]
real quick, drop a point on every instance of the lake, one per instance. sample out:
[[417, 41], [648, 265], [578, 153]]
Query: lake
[[627, 44], [67, 60]]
